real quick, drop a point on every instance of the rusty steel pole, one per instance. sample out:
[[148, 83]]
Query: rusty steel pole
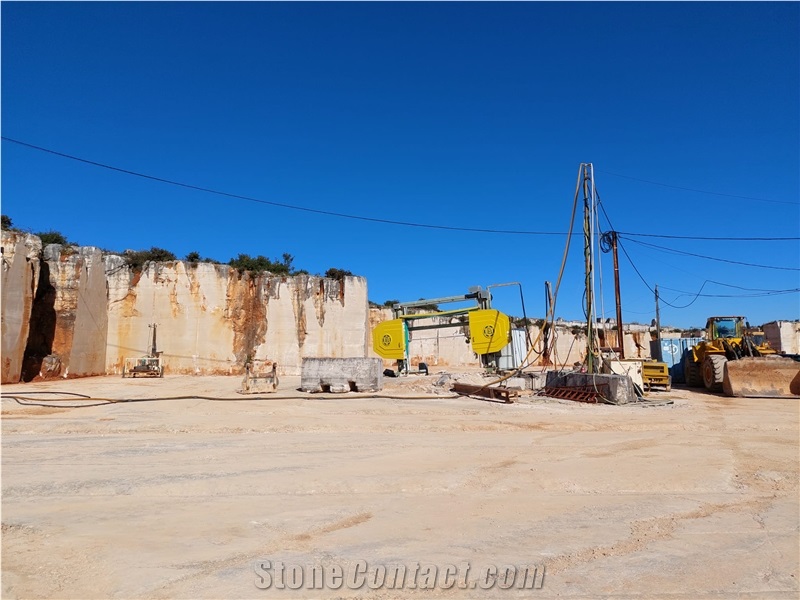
[[658, 329], [620, 334]]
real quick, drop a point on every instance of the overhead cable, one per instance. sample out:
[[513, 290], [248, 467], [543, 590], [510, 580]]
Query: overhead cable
[[279, 204], [725, 260], [350, 216], [687, 189]]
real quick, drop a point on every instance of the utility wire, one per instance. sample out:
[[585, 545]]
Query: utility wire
[[755, 295], [359, 217], [734, 262], [738, 287], [687, 189], [279, 204], [699, 294], [672, 265], [716, 239], [647, 285]]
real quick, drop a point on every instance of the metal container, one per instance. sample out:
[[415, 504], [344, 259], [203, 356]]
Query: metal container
[[512, 355], [671, 351]]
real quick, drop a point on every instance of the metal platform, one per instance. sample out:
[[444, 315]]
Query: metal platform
[[581, 393]]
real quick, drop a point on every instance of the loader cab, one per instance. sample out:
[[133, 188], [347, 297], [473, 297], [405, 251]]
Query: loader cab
[[724, 327]]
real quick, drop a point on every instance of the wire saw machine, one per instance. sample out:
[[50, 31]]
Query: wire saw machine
[[489, 329]]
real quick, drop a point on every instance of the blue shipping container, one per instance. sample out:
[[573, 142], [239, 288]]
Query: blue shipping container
[[672, 351]]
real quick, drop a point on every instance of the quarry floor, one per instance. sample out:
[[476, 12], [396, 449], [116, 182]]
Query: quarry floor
[[180, 498]]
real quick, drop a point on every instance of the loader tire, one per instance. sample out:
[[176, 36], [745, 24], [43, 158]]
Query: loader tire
[[713, 371], [691, 371]]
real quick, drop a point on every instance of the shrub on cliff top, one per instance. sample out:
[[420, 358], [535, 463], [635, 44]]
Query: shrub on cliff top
[[339, 274], [259, 264], [53, 237], [138, 258]]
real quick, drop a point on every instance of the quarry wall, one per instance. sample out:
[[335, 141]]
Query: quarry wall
[[212, 318], [76, 313], [71, 311], [20, 278]]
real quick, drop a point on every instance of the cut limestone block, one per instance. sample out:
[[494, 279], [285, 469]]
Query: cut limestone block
[[341, 375]]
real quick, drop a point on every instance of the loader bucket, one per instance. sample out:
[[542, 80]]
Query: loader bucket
[[767, 376]]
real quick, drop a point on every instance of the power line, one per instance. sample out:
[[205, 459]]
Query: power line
[[695, 237], [729, 285], [279, 204], [716, 239], [699, 293], [677, 187], [734, 262], [357, 217], [647, 285], [756, 295], [738, 287]]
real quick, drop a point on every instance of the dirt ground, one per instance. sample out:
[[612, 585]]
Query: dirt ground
[[181, 498]]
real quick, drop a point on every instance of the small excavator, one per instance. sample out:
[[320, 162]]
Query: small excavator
[[734, 361]]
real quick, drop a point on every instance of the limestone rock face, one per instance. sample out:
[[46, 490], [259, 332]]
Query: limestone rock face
[[20, 278], [74, 312], [211, 318], [77, 277]]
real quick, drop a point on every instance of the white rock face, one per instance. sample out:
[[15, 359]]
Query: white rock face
[[20, 277], [87, 313], [76, 276], [210, 318]]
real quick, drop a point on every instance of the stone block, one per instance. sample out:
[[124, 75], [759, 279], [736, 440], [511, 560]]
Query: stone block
[[341, 375], [515, 383], [620, 387]]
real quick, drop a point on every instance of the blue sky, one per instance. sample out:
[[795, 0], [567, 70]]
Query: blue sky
[[472, 115]]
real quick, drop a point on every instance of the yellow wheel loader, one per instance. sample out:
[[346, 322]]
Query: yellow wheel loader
[[734, 361]]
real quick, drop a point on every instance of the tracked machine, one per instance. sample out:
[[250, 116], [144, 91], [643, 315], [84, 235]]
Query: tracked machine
[[737, 362]]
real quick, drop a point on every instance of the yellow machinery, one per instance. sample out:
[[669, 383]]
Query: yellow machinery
[[489, 329], [731, 360], [656, 373]]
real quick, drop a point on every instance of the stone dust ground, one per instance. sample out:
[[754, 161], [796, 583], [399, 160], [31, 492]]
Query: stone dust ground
[[179, 498]]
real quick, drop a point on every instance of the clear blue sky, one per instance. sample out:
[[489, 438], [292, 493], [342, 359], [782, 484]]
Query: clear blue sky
[[472, 115]]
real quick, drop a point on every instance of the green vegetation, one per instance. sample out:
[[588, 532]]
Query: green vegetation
[[194, 258], [53, 237], [339, 274], [260, 264], [138, 258]]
